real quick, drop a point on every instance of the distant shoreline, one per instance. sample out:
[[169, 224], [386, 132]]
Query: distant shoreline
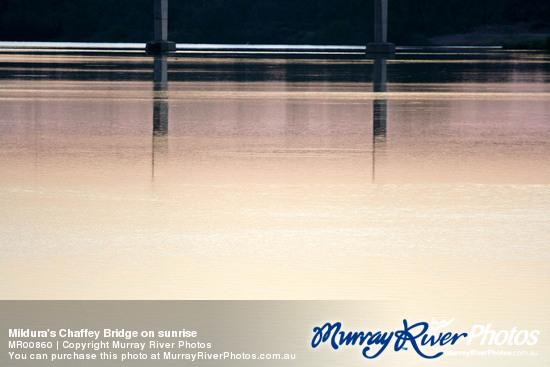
[[221, 48], [518, 35]]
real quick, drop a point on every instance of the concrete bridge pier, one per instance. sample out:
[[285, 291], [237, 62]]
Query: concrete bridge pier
[[380, 44], [161, 43]]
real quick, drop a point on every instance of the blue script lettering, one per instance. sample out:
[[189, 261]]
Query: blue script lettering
[[409, 334], [332, 331], [405, 334]]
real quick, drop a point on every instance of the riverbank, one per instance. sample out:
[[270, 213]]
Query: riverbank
[[518, 36]]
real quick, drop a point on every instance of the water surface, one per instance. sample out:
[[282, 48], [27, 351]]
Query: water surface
[[279, 178]]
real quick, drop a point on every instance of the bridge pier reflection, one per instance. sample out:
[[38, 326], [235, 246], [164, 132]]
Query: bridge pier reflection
[[379, 106], [160, 108], [160, 96]]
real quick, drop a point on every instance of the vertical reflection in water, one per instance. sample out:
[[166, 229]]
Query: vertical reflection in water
[[379, 105], [160, 108], [379, 108]]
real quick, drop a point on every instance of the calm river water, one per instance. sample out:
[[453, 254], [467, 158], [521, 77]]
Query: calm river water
[[238, 177]]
